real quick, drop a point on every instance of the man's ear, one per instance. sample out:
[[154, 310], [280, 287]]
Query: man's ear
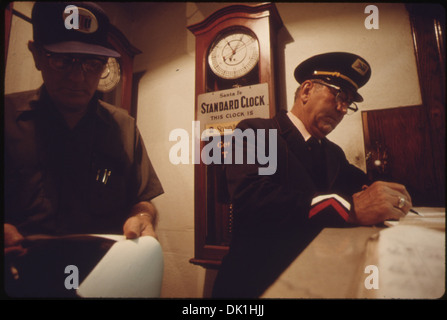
[[306, 87], [36, 54]]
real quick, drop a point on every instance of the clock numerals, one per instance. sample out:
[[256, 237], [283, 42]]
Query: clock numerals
[[110, 77], [234, 55]]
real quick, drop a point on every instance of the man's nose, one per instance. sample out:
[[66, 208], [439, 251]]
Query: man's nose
[[342, 107], [77, 72]]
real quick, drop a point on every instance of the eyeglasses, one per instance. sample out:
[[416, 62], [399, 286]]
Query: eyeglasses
[[64, 62], [341, 98]]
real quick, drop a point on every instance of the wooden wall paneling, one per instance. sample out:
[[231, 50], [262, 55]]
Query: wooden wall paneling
[[403, 136], [413, 138], [428, 30]]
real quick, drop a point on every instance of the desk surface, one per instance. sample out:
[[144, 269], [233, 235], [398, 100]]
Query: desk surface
[[333, 265], [327, 268]]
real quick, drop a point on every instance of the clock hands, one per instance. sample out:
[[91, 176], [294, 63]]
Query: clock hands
[[233, 52], [240, 45], [230, 46], [233, 55]]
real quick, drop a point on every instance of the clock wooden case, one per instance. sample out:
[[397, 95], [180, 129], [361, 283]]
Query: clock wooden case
[[117, 82], [235, 47]]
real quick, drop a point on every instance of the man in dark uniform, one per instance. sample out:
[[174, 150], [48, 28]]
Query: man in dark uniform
[[276, 216], [73, 164]]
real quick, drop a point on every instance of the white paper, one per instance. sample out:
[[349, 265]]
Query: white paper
[[430, 217], [130, 269], [411, 263]]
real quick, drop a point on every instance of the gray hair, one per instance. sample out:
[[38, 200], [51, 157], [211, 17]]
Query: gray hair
[[298, 90]]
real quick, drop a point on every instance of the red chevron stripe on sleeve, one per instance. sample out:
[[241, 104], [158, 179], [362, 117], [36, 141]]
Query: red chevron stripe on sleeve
[[337, 206]]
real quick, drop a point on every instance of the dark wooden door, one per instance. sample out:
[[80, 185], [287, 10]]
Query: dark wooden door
[[409, 142]]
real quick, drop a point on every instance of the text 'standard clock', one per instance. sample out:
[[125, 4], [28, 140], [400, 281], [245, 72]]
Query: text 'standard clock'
[[236, 75]]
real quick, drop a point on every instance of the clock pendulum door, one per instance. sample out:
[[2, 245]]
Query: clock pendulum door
[[235, 62], [232, 62]]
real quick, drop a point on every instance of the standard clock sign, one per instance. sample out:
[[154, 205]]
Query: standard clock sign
[[224, 109], [234, 54]]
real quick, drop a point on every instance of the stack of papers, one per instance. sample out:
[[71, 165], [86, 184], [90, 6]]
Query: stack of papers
[[410, 257], [429, 217]]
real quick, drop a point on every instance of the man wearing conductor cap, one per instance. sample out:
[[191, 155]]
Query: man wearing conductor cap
[[73, 164], [276, 216]]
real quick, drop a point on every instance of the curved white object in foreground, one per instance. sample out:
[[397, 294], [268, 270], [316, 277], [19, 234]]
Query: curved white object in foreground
[[130, 269]]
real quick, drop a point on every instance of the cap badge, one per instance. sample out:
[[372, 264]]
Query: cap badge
[[360, 66], [83, 20]]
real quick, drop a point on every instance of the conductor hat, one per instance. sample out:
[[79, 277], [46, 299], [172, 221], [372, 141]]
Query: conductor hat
[[72, 27], [345, 70]]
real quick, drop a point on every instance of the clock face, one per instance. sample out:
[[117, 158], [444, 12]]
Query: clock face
[[233, 54], [110, 77]]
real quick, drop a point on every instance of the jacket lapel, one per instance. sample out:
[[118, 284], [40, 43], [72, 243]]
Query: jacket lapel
[[294, 139], [332, 162], [297, 146]]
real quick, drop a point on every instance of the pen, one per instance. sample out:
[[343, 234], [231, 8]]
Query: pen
[[414, 211]]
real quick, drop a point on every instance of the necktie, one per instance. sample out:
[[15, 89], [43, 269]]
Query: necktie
[[318, 162]]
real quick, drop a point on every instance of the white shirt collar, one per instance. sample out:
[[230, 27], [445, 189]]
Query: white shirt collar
[[299, 125]]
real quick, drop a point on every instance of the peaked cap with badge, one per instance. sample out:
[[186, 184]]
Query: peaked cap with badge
[[50, 29], [342, 69]]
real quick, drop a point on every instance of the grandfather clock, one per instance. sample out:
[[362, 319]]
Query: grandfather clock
[[236, 75], [116, 81]]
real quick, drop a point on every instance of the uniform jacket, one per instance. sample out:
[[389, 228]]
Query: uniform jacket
[[83, 180], [276, 216]]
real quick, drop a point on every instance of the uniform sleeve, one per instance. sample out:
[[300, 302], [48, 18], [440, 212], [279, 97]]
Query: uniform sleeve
[[266, 204], [333, 209], [149, 186], [273, 203]]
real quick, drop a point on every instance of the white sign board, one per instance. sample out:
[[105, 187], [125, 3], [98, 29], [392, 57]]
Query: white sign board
[[226, 108]]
